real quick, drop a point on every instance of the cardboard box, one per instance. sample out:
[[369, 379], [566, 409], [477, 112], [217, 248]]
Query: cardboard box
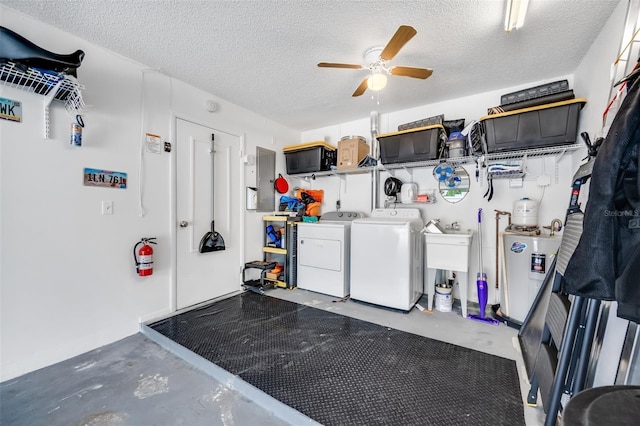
[[271, 276], [351, 150]]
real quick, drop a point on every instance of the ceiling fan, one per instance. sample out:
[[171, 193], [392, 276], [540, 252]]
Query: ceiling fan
[[378, 59]]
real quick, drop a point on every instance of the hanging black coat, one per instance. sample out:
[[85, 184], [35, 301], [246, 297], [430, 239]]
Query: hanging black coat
[[606, 262]]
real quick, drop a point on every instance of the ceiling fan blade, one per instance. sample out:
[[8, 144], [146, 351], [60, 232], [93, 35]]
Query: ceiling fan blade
[[361, 89], [399, 39], [422, 73], [333, 65]]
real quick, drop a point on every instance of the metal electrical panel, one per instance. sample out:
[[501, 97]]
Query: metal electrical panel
[[266, 173]]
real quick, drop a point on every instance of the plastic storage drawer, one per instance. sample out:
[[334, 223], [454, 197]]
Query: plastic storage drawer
[[309, 157], [536, 127], [419, 144]]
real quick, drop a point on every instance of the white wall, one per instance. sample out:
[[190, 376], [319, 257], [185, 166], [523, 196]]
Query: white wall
[[593, 74], [68, 282]]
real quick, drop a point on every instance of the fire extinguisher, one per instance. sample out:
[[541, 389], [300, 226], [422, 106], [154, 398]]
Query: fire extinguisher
[[143, 257]]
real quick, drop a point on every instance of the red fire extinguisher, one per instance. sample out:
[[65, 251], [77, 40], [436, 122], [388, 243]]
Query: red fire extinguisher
[[143, 257]]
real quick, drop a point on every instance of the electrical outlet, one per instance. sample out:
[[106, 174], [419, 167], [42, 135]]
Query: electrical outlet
[[107, 208]]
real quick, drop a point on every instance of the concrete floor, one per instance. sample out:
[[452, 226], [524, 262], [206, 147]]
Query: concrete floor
[[130, 382], [136, 381]]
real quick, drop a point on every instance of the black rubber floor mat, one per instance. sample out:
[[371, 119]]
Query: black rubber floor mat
[[339, 370]]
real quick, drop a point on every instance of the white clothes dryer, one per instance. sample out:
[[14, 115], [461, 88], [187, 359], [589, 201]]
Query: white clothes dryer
[[323, 253], [387, 258]]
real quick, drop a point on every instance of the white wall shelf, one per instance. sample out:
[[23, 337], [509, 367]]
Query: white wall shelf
[[53, 86], [557, 151], [314, 175]]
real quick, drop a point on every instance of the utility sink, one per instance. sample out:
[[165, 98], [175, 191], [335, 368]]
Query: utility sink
[[462, 238], [450, 252]]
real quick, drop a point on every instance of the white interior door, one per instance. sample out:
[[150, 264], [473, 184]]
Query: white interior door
[[203, 276]]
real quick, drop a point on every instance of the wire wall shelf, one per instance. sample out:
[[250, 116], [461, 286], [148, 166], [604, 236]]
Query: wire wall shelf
[[557, 151], [313, 175], [506, 175], [53, 86]]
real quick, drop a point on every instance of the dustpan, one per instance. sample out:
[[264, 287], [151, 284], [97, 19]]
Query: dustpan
[[212, 240]]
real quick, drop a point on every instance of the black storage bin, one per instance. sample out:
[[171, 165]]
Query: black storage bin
[[419, 144], [309, 157], [536, 127], [534, 92]]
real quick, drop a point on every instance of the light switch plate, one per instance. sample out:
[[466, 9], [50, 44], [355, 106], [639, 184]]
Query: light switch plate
[[107, 208]]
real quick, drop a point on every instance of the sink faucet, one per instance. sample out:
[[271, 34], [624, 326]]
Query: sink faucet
[[455, 226]]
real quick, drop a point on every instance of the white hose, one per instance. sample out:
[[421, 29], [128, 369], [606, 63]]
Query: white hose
[[143, 134], [142, 140]]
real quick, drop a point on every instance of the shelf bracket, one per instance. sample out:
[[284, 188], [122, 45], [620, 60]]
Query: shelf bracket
[[560, 155], [556, 165], [46, 102]]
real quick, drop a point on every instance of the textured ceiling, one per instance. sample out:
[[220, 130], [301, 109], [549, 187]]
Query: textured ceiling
[[262, 54]]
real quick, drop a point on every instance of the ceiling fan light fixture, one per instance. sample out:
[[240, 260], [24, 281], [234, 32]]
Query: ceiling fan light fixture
[[377, 81], [514, 14], [372, 55], [377, 60]]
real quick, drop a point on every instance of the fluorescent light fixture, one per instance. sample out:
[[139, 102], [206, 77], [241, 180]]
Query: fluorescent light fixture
[[377, 81], [515, 13]]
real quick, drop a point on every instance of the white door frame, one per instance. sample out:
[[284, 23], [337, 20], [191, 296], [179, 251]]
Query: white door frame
[[173, 214]]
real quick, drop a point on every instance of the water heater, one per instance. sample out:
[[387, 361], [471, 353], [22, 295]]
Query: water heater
[[526, 262]]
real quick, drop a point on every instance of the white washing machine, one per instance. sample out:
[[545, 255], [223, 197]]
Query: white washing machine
[[323, 253], [387, 258]]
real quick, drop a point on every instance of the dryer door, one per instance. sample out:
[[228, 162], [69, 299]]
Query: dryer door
[[322, 259], [321, 253]]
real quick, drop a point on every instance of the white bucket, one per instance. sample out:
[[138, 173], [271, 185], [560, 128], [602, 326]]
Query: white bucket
[[444, 298]]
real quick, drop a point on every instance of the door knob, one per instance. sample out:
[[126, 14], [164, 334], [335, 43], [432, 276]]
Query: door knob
[[184, 224]]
